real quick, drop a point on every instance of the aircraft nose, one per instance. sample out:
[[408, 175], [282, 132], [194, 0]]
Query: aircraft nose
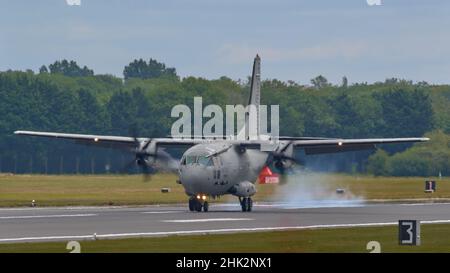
[[190, 174], [193, 178]]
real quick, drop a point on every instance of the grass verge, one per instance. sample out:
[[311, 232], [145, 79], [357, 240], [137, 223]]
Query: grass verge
[[434, 239], [87, 190]]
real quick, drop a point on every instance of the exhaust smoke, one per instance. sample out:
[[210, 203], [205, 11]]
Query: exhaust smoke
[[312, 190]]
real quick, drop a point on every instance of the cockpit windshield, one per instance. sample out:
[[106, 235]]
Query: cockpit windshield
[[191, 159], [205, 161], [197, 159]]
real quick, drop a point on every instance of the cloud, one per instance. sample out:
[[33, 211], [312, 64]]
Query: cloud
[[73, 2], [238, 53]]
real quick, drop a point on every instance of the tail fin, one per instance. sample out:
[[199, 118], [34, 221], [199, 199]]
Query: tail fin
[[255, 87], [252, 126]]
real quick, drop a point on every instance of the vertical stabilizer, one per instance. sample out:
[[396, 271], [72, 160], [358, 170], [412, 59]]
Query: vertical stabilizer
[[255, 86], [252, 126]]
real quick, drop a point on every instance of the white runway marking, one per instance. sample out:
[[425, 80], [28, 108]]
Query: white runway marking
[[424, 204], [207, 220], [207, 231], [161, 212], [46, 216]]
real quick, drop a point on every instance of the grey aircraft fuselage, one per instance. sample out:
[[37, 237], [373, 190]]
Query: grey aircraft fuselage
[[232, 171]]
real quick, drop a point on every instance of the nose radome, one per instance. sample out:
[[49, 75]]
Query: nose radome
[[193, 178]]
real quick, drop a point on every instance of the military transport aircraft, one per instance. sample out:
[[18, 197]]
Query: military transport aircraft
[[211, 168]]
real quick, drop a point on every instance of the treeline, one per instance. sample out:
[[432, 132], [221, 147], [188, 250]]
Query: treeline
[[64, 97], [427, 159]]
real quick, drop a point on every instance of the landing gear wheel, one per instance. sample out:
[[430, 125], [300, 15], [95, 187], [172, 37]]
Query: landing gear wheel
[[246, 204], [191, 204], [198, 206], [205, 206], [243, 206]]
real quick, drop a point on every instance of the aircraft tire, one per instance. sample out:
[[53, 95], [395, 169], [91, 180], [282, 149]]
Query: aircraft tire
[[205, 206], [244, 204], [198, 206], [249, 204], [191, 204]]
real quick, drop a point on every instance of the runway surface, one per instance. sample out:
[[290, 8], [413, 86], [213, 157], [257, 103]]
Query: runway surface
[[63, 224]]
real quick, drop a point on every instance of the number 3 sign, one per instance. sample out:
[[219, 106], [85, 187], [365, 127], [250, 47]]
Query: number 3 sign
[[409, 232]]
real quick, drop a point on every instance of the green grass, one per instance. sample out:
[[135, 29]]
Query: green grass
[[75, 190], [370, 187], [434, 239], [71, 190]]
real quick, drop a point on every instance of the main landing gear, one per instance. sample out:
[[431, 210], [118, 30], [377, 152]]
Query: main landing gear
[[246, 203], [198, 203]]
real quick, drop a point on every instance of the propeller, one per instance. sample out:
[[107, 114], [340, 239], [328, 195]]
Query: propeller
[[141, 158], [283, 162], [283, 159], [146, 157]]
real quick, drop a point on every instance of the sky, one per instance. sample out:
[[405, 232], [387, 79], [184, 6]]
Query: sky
[[296, 39]]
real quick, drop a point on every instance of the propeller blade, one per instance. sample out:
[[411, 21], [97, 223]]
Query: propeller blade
[[128, 166], [142, 156], [285, 157], [147, 171], [146, 145]]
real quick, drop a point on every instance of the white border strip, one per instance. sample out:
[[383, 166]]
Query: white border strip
[[162, 212], [206, 220], [207, 231], [46, 216]]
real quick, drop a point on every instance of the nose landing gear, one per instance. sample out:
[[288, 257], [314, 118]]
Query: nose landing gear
[[246, 204], [198, 203]]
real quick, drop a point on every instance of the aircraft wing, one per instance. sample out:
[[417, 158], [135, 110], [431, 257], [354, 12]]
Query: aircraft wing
[[321, 146], [310, 145], [113, 141]]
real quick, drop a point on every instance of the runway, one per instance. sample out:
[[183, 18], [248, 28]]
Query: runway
[[81, 223]]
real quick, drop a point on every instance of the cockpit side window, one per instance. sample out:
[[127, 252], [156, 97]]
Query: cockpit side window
[[183, 161]]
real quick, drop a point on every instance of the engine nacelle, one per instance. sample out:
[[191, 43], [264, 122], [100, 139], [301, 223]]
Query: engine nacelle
[[283, 164], [243, 189]]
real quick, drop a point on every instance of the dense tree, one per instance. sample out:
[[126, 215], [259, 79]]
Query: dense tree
[[43, 69], [94, 117], [425, 159], [405, 112], [122, 112], [70, 99], [378, 163], [320, 82], [70, 69], [148, 70]]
